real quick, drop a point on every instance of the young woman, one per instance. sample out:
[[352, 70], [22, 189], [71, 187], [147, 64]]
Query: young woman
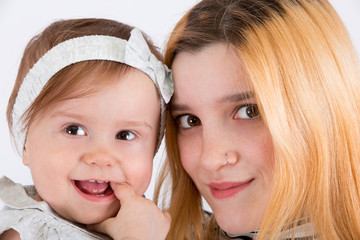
[[264, 122]]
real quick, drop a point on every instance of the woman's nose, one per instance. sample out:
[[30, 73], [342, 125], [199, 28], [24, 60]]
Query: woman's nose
[[218, 149]]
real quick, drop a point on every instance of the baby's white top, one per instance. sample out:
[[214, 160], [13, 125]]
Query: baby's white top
[[33, 219]]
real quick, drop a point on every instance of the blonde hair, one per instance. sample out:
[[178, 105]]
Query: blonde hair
[[306, 77], [78, 79]]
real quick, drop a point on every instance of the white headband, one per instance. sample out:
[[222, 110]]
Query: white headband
[[134, 52]]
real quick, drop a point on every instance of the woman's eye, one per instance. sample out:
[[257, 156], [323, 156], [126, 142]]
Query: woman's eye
[[188, 121], [125, 135], [75, 130], [247, 111]]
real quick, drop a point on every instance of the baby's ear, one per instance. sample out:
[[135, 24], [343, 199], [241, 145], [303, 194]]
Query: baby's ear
[[25, 157]]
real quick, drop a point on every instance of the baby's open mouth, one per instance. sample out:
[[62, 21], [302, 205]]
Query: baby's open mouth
[[94, 187]]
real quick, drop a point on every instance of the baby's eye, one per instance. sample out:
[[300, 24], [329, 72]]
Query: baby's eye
[[75, 130], [247, 111], [188, 121], [125, 135]]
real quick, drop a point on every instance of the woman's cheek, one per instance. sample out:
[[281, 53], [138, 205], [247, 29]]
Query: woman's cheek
[[188, 150]]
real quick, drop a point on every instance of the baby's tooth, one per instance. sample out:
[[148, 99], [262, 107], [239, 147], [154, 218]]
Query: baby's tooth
[[101, 181]]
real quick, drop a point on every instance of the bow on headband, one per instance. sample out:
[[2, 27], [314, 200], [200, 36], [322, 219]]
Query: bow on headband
[[138, 55]]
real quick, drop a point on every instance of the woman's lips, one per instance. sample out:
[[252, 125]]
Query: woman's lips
[[227, 189], [95, 191]]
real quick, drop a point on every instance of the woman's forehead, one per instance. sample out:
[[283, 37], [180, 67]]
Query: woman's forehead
[[217, 64]]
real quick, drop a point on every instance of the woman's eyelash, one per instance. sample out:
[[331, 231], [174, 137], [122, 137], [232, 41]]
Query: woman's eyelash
[[247, 111], [187, 121]]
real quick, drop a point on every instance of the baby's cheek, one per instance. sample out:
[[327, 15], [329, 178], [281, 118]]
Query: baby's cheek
[[142, 180]]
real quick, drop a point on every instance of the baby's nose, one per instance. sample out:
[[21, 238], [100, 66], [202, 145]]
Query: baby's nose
[[101, 158]]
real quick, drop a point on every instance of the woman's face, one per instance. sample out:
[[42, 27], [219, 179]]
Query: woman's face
[[224, 145]]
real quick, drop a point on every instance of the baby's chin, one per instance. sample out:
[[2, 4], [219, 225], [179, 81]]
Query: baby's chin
[[92, 216]]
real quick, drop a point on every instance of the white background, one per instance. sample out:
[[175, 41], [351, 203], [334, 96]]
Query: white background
[[21, 19]]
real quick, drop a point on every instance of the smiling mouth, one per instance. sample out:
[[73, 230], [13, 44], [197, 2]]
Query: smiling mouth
[[94, 190], [228, 189]]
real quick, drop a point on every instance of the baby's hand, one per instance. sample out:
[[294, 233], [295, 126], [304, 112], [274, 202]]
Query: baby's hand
[[138, 218]]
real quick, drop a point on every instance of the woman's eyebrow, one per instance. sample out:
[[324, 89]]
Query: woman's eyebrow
[[237, 97], [178, 107]]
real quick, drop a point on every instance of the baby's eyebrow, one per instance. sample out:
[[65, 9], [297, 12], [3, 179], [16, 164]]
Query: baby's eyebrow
[[136, 123], [66, 114], [80, 117]]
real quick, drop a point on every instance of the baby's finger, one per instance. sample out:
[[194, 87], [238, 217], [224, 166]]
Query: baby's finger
[[123, 191]]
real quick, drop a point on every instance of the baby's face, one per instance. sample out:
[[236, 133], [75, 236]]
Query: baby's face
[[80, 146]]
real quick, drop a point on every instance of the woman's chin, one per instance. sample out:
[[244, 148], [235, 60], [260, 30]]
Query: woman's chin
[[233, 225]]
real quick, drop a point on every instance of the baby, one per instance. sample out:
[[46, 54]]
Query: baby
[[87, 115]]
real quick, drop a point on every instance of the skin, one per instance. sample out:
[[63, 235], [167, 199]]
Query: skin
[[218, 119], [135, 212], [109, 135]]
